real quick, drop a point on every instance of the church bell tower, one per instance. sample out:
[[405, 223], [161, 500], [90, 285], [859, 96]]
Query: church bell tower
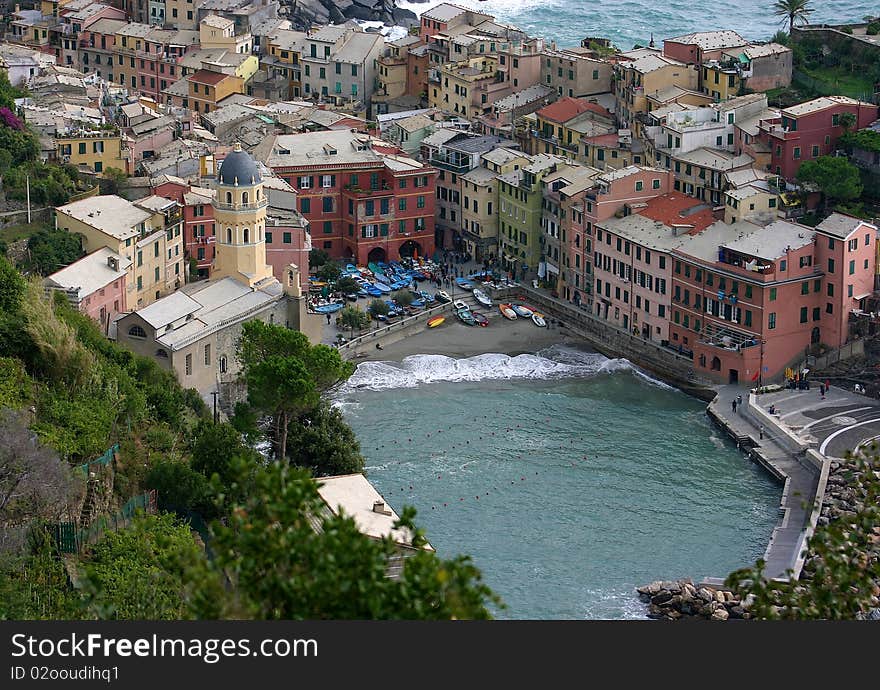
[[240, 221]]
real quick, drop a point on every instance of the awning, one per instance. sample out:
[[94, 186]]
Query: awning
[[867, 294]]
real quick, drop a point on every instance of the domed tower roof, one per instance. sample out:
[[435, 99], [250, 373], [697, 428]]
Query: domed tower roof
[[239, 168]]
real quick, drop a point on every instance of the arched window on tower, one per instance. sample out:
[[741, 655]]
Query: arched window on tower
[[247, 235], [244, 197], [259, 235], [222, 362], [228, 235], [228, 197], [137, 332], [258, 194]]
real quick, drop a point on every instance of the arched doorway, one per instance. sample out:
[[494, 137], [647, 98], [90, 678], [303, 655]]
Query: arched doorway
[[814, 336], [716, 364], [376, 255], [409, 248]]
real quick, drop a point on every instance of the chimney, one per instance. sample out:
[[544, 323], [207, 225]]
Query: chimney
[[379, 507], [681, 228], [113, 262]]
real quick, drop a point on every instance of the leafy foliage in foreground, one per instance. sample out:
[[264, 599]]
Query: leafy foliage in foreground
[[840, 579]]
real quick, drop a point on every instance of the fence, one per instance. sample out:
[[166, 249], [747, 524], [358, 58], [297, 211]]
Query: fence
[[854, 348], [104, 460], [71, 539]]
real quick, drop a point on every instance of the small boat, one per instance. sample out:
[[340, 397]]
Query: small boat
[[466, 317], [507, 311], [538, 320], [480, 319], [482, 298], [522, 311], [443, 296], [464, 283], [458, 305], [353, 297], [329, 308], [381, 287], [436, 321]]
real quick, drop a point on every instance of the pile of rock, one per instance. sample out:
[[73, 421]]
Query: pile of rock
[[671, 600], [842, 498]]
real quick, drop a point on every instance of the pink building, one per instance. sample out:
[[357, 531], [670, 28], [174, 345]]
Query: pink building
[[748, 301], [95, 285], [198, 219], [612, 192], [633, 263], [808, 130]]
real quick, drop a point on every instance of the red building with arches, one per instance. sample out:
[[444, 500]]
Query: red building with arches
[[364, 199]]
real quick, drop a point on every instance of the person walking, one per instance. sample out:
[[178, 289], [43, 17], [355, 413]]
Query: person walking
[[761, 432], [733, 405], [822, 390], [328, 319], [739, 400]]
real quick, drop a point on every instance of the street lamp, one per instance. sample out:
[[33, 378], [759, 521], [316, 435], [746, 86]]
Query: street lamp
[[761, 370]]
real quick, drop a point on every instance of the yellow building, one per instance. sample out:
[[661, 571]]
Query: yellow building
[[181, 13], [282, 59], [206, 89], [647, 74], [218, 32], [240, 219], [721, 82], [753, 203], [479, 195], [98, 150], [147, 232], [466, 88]]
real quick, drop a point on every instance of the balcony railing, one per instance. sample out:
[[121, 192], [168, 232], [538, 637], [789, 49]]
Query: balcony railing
[[242, 207]]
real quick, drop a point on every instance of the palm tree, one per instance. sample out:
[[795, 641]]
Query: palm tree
[[791, 10]]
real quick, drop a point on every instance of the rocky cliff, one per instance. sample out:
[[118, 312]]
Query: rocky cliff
[[305, 13]]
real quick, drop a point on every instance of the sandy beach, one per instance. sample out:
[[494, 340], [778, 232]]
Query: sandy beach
[[454, 339]]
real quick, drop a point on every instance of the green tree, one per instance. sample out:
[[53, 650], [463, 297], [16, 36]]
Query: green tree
[[139, 573], [322, 442], [214, 448], [780, 37], [181, 489], [353, 317], [287, 558], [318, 257], [847, 120], [378, 307], [282, 387], [347, 285], [12, 287], [403, 297], [329, 272], [836, 178], [791, 10], [51, 249], [116, 179], [841, 577]]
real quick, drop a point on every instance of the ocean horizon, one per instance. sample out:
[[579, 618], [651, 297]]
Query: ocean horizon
[[629, 22]]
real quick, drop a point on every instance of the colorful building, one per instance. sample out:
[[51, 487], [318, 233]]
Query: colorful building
[[95, 285], [362, 198], [809, 130]]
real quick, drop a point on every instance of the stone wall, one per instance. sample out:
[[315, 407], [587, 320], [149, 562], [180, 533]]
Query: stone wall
[[362, 345], [667, 364]]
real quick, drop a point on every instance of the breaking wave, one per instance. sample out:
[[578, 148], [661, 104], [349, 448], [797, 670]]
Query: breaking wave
[[555, 362]]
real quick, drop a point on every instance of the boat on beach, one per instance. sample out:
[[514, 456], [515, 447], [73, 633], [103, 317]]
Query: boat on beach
[[466, 317], [329, 308], [538, 320], [481, 319], [443, 296], [522, 311], [507, 311], [482, 298], [464, 283], [436, 321], [460, 304]]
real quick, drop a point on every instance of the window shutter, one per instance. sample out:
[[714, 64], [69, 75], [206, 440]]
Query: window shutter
[[333, 180], [384, 229]]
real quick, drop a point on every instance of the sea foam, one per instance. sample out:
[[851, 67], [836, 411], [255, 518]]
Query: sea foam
[[555, 362]]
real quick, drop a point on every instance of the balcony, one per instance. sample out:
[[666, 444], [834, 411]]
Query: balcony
[[456, 167], [727, 337], [242, 207], [384, 190]]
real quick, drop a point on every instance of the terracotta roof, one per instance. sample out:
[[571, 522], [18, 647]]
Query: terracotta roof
[[204, 76], [566, 108], [676, 208], [605, 140]]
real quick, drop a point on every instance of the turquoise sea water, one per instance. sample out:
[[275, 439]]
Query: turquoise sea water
[[569, 478], [627, 22]]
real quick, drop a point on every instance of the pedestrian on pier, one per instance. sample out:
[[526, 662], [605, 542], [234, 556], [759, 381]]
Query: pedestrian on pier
[[761, 432], [822, 390], [733, 405]]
